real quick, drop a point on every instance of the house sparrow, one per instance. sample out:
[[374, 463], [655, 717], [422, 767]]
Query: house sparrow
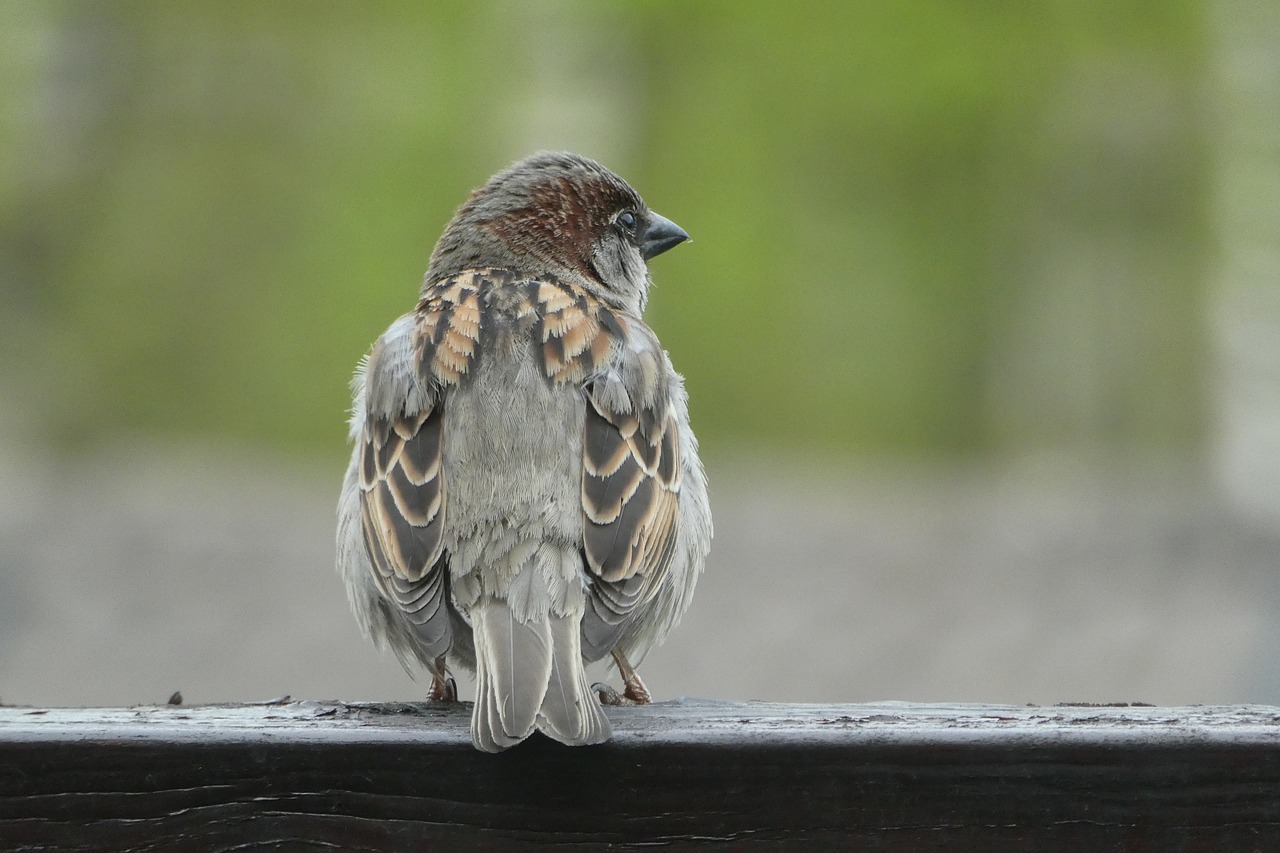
[[525, 493]]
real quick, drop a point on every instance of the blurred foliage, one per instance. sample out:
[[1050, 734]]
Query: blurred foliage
[[921, 226]]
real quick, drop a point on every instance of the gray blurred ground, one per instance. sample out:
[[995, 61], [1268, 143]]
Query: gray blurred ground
[[126, 577]]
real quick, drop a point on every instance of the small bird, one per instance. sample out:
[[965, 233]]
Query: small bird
[[525, 494]]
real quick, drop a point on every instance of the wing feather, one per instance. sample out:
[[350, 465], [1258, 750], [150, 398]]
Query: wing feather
[[402, 491], [403, 500], [402, 507], [604, 446], [630, 491], [402, 510]]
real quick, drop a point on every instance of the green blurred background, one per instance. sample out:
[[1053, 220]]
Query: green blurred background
[[932, 240], [920, 227]]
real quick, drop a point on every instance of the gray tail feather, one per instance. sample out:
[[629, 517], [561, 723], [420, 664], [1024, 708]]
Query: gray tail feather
[[570, 711], [530, 674]]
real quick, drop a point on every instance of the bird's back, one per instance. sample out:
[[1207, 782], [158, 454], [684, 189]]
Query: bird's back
[[513, 439]]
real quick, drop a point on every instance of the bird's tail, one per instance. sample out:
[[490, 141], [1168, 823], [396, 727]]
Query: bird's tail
[[529, 674]]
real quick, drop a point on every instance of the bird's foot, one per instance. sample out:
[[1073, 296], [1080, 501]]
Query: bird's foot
[[633, 688], [443, 690], [443, 687], [637, 693], [609, 696]]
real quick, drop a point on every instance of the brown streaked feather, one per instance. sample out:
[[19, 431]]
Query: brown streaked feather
[[376, 554], [466, 317], [434, 322], [451, 321], [402, 512], [576, 333], [386, 453], [449, 364], [553, 358], [579, 336], [554, 296], [630, 492], [619, 546], [648, 455], [420, 506], [658, 542], [604, 498], [458, 341], [651, 420], [558, 323], [407, 549], [604, 447], [421, 458], [601, 345], [402, 499]]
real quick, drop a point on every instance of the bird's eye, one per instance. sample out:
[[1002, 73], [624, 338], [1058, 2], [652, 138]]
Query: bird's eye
[[627, 220]]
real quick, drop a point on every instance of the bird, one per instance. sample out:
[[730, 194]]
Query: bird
[[525, 494]]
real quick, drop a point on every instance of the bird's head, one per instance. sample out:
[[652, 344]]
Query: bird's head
[[563, 214]]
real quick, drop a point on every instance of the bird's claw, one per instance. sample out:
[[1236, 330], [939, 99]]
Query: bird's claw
[[443, 690], [609, 696], [633, 688]]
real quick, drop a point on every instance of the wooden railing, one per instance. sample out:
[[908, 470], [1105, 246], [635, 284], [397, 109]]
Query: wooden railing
[[685, 774]]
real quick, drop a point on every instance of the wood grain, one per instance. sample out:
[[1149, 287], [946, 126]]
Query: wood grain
[[678, 775]]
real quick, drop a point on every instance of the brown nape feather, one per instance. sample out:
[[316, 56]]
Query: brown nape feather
[[543, 214]]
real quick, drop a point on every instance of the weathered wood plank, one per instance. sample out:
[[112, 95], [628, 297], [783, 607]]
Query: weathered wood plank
[[895, 776]]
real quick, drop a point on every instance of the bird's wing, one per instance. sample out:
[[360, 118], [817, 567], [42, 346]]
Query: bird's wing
[[631, 476], [630, 489], [402, 509], [631, 447], [631, 466], [403, 495]]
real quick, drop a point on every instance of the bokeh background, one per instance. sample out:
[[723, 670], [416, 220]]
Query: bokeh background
[[981, 326]]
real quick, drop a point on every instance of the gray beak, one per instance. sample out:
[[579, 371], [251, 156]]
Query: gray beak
[[662, 234]]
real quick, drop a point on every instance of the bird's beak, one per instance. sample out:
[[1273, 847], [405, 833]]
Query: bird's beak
[[662, 234]]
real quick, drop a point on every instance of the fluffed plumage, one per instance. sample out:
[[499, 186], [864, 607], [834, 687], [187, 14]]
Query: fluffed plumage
[[525, 493]]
